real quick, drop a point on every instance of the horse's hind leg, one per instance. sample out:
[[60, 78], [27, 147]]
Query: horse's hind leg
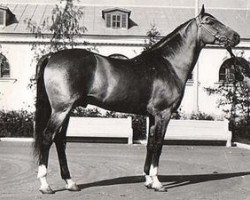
[[60, 141], [54, 125]]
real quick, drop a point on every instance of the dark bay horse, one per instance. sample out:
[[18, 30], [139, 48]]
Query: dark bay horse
[[150, 84]]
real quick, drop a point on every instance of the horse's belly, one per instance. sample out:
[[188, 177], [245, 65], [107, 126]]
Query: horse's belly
[[126, 105]]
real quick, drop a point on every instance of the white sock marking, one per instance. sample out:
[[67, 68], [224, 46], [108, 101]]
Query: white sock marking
[[42, 171]]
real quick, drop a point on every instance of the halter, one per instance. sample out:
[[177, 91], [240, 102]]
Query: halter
[[216, 35]]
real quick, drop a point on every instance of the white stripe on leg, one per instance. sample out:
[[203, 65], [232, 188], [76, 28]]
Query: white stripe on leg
[[156, 184], [42, 171], [41, 175]]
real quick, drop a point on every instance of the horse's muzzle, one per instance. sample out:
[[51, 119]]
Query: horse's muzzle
[[235, 40]]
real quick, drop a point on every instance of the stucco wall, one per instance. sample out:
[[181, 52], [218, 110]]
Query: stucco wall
[[15, 94]]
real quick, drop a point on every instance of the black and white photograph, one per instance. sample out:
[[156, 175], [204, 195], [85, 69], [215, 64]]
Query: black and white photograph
[[125, 99]]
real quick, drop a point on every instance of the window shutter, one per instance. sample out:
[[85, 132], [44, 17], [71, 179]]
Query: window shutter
[[2, 17], [124, 21], [108, 20]]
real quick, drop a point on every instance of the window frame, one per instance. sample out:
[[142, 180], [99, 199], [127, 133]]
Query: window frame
[[226, 74], [116, 20]]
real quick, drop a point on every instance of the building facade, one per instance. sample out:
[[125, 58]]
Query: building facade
[[118, 28]]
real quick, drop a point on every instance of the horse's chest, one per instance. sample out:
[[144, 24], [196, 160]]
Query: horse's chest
[[165, 94]]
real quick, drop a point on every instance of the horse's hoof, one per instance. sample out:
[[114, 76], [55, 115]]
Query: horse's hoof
[[73, 187], [46, 190], [161, 189]]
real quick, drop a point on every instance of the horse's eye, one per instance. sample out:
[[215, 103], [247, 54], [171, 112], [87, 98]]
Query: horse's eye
[[210, 22]]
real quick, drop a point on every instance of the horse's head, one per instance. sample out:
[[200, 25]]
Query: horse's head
[[212, 31]]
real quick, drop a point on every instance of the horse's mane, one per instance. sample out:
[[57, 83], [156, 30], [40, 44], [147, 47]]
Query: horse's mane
[[167, 38]]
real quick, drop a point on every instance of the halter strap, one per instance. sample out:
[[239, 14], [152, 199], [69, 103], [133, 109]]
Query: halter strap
[[236, 68], [217, 35]]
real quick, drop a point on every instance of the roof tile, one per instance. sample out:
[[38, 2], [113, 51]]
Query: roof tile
[[165, 18]]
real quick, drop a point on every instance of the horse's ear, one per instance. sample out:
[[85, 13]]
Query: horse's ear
[[202, 10]]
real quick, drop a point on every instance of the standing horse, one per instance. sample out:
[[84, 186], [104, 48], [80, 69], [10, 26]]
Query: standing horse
[[150, 84]]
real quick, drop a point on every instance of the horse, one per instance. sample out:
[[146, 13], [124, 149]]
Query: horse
[[150, 84]]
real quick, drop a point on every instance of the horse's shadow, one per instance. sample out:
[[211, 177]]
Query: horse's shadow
[[172, 180]]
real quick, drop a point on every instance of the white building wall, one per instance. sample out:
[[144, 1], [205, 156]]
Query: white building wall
[[14, 90], [15, 94], [210, 62]]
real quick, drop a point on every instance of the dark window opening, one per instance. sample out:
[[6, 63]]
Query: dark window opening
[[4, 67]]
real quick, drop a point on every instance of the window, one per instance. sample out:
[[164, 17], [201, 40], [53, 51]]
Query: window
[[226, 74], [227, 70], [116, 18], [116, 21], [4, 67], [6, 16]]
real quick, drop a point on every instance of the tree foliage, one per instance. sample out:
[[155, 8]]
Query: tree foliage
[[234, 99], [59, 31], [153, 35]]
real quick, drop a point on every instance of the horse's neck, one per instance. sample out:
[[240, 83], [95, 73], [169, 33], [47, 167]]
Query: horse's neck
[[186, 55]]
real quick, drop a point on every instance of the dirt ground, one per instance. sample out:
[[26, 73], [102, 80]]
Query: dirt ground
[[114, 172]]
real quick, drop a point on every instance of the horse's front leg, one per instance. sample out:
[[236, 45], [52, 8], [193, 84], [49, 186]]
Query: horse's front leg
[[157, 132]]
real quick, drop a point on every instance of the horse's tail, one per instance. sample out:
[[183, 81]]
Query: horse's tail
[[43, 108]]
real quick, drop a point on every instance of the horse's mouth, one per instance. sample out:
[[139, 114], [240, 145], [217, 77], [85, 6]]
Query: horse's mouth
[[228, 42]]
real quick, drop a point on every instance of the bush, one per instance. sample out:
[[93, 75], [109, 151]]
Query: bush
[[139, 127], [16, 123], [83, 112], [240, 130], [201, 116]]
